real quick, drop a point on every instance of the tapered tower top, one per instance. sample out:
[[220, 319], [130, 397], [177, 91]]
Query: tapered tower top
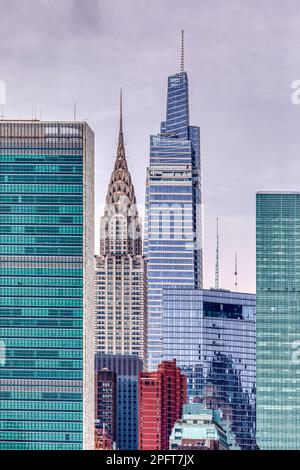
[[182, 52], [121, 229], [121, 157]]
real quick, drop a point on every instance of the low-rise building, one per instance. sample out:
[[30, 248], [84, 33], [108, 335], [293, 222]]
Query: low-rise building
[[200, 429]]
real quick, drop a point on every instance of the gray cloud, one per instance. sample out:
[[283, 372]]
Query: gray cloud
[[241, 56], [86, 15]]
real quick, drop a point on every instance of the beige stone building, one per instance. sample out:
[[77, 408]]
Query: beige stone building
[[120, 280]]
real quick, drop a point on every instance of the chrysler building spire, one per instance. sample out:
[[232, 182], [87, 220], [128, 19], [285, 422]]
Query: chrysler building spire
[[121, 157], [121, 230], [120, 279]]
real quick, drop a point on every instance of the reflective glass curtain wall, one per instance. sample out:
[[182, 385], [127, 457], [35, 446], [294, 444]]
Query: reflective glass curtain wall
[[172, 242], [46, 285], [211, 333]]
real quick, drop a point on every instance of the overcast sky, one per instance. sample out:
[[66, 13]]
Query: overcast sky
[[241, 56]]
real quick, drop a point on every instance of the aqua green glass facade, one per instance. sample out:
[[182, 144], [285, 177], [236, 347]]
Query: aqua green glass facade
[[46, 269], [278, 320]]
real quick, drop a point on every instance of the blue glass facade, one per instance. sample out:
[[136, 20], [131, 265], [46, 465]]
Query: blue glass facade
[[278, 320], [127, 369], [46, 286], [211, 334], [173, 210]]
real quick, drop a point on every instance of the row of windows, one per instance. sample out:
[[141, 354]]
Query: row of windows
[[41, 302], [39, 323], [50, 178], [40, 240], [37, 374], [38, 220], [40, 210], [13, 445], [40, 168], [41, 281], [44, 159], [42, 436], [76, 343], [40, 199], [48, 271], [40, 250], [64, 425], [41, 333], [32, 416], [44, 353], [41, 189]]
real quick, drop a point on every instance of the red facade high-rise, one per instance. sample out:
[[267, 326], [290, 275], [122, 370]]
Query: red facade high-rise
[[162, 395]]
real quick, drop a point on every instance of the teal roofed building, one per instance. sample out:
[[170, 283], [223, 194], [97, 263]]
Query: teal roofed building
[[200, 429]]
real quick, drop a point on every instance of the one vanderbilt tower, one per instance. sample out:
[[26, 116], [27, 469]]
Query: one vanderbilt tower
[[120, 281], [173, 245]]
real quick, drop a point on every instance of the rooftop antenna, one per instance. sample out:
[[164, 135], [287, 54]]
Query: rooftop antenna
[[75, 112], [2, 112], [217, 259], [121, 111], [182, 52], [236, 272]]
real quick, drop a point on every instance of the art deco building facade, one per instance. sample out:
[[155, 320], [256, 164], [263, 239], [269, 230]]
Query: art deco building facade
[[46, 285], [173, 245], [278, 320], [120, 281]]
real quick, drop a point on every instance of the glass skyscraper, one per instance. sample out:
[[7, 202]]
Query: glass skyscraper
[[211, 333], [46, 285], [173, 209], [278, 319]]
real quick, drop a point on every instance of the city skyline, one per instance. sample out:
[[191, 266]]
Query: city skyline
[[241, 72], [149, 225], [46, 285], [173, 207]]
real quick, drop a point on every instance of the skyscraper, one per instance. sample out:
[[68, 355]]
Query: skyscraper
[[127, 369], [162, 396], [211, 333], [278, 319], [120, 281], [173, 209], [46, 285]]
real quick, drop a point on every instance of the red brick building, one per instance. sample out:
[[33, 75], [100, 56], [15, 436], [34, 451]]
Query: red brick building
[[162, 395], [102, 439]]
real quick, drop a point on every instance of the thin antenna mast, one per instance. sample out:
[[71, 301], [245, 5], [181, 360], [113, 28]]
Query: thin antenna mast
[[121, 110], [217, 259], [182, 52], [75, 112], [236, 272]]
